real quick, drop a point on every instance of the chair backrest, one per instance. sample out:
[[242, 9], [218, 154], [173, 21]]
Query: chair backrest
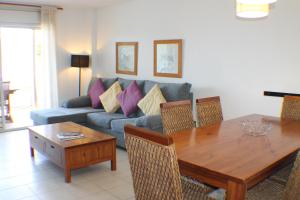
[[291, 108], [153, 164], [292, 190], [209, 111], [177, 116]]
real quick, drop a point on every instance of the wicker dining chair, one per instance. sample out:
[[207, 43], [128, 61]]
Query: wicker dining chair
[[292, 190], [270, 190], [291, 108], [282, 176], [290, 111], [177, 116], [209, 111], [155, 170]]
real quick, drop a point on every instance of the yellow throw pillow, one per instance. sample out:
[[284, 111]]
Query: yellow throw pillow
[[109, 98], [150, 104]]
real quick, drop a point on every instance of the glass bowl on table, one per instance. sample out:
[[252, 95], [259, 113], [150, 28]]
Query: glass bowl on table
[[256, 127]]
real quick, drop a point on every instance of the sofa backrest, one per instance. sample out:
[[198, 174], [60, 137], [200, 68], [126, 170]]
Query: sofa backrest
[[171, 91], [106, 81], [126, 82]]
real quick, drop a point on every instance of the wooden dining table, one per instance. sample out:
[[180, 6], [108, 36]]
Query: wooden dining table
[[225, 156]]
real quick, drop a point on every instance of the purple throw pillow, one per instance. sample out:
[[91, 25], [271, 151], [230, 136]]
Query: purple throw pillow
[[129, 98], [96, 90]]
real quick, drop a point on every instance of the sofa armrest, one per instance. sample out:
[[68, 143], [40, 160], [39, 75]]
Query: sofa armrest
[[152, 122], [82, 101]]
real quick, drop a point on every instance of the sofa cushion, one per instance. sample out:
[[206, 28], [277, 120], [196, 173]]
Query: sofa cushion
[[118, 125], [129, 98], [103, 119], [151, 122], [124, 84], [118, 135], [150, 104], [96, 90], [50, 116], [109, 98], [171, 91]]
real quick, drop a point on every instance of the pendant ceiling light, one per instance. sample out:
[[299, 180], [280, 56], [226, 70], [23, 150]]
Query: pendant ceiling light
[[252, 11], [256, 1]]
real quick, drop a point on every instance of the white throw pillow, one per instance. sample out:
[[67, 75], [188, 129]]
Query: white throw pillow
[[109, 98], [150, 104]]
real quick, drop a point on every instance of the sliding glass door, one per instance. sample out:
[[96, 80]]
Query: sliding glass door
[[17, 56]]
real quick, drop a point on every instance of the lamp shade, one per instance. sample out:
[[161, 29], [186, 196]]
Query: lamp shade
[[81, 61], [256, 1], [252, 11]]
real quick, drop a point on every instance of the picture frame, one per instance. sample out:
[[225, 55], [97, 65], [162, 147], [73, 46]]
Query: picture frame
[[168, 58], [127, 58]]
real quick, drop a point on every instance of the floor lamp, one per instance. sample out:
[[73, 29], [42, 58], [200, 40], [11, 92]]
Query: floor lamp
[[80, 61]]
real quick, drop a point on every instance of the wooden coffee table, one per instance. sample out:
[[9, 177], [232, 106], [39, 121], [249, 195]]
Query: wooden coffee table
[[96, 147]]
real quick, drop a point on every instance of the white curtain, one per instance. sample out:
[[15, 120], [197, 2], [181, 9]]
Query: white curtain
[[45, 70]]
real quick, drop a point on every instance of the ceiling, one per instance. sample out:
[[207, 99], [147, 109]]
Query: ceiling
[[69, 3]]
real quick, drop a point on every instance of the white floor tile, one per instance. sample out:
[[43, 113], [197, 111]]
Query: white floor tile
[[122, 191], [103, 195], [16, 193], [22, 177]]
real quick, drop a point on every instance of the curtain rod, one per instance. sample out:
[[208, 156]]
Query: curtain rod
[[27, 5]]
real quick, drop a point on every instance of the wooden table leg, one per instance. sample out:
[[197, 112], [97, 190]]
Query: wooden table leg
[[31, 152], [67, 167], [68, 175], [113, 162], [236, 191]]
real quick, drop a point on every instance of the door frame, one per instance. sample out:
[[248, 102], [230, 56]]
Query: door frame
[[2, 115]]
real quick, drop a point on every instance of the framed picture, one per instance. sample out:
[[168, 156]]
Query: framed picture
[[168, 58], [127, 58]]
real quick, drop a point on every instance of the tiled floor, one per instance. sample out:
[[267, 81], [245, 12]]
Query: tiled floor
[[38, 179]]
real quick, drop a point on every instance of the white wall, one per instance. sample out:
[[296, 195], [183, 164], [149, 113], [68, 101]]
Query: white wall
[[74, 29], [236, 59]]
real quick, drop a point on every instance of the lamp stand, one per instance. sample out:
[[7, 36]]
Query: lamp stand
[[79, 81], [79, 61]]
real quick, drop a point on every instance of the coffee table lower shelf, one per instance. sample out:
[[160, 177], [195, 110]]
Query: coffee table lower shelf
[[74, 157]]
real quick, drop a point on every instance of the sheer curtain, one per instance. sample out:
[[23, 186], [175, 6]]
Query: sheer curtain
[[45, 69]]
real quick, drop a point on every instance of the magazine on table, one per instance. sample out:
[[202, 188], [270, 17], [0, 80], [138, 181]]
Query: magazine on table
[[70, 135]]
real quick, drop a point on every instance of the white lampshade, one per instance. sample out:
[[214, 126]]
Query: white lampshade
[[252, 11], [256, 1]]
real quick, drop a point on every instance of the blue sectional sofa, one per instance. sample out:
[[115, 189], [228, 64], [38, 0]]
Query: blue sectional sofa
[[79, 110]]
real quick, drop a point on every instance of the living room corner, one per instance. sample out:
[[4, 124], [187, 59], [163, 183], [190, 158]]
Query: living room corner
[[149, 100]]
